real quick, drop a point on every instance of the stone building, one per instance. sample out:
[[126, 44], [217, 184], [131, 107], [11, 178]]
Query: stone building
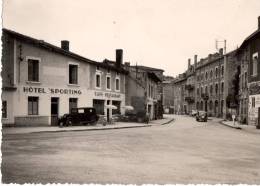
[[210, 84], [250, 49], [168, 94], [180, 106], [189, 92], [159, 89], [142, 90], [41, 82]]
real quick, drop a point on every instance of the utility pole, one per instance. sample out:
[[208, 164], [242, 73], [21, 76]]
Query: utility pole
[[225, 77]]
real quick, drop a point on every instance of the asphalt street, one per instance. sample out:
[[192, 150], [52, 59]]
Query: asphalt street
[[184, 151]]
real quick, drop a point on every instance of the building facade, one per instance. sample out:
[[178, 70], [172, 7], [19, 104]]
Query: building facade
[[142, 90], [168, 94], [251, 49], [41, 82]]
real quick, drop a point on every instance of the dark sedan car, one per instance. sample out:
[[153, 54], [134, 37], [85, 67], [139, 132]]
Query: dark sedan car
[[201, 116], [79, 116]]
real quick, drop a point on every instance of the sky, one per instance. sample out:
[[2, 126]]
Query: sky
[[157, 33]]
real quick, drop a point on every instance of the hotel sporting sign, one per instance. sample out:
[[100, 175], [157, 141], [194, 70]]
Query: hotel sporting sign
[[41, 90]]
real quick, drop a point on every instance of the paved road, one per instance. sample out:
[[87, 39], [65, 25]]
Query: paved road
[[184, 151]]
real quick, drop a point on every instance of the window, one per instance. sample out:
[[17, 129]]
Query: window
[[206, 76], [4, 109], [216, 88], [117, 110], [73, 74], [98, 81], [198, 91], [117, 84], [255, 57], [98, 68], [33, 70], [253, 102], [245, 79], [211, 74], [33, 104], [216, 72], [108, 82], [222, 70], [222, 87], [211, 89], [73, 103], [99, 106], [206, 90]]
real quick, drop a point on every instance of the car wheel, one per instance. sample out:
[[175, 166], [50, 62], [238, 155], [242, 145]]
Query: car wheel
[[68, 122]]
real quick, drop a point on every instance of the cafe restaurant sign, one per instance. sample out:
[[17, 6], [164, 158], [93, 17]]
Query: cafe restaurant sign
[[41, 90], [107, 95]]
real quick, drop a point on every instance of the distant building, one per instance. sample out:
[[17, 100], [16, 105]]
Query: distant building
[[168, 94], [180, 106], [142, 90]]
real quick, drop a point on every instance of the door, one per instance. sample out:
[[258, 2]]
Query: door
[[54, 111]]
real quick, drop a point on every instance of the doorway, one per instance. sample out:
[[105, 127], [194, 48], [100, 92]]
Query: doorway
[[54, 111]]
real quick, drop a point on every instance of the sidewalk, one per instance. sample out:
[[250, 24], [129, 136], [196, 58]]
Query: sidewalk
[[247, 128], [117, 125]]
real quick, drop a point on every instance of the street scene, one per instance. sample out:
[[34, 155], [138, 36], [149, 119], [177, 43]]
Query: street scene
[[133, 92], [183, 151]]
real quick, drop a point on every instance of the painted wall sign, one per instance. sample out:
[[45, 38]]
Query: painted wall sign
[[41, 90], [107, 95]]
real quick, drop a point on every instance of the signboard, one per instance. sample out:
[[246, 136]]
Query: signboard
[[43, 90], [107, 95]]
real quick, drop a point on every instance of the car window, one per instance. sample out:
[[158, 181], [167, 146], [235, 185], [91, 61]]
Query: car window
[[80, 110]]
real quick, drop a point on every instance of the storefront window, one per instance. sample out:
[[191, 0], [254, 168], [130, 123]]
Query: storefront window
[[99, 106], [73, 103], [4, 109], [33, 103], [73, 74], [117, 104], [33, 70]]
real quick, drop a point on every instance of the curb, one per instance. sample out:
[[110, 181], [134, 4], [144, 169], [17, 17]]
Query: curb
[[230, 126], [173, 119], [78, 130]]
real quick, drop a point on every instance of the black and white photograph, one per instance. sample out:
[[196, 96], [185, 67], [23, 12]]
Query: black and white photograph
[[130, 92]]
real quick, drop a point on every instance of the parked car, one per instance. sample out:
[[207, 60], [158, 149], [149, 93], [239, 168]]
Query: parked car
[[79, 116], [201, 116], [194, 112]]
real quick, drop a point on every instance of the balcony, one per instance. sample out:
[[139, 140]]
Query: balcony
[[205, 96], [189, 87], [189, 99]]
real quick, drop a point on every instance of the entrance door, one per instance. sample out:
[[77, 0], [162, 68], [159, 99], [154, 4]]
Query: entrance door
[[108, 111], [54, 111]]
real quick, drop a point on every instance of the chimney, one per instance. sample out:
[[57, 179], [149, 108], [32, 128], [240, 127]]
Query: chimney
[[195, 61], [188, 63], [119, 57], [65, 45], [221, 51], [258, 22]]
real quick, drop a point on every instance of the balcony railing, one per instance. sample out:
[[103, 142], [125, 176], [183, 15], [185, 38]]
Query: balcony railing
[[205, 96], [189, 87], [189, 99]]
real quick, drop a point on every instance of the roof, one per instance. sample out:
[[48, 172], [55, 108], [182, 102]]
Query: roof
[[154, 77], [147, 68], [250, 37], [53, 48]]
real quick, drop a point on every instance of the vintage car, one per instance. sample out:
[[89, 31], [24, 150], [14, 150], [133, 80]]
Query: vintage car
[[194, 112], [79, 116], [201, 116]]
